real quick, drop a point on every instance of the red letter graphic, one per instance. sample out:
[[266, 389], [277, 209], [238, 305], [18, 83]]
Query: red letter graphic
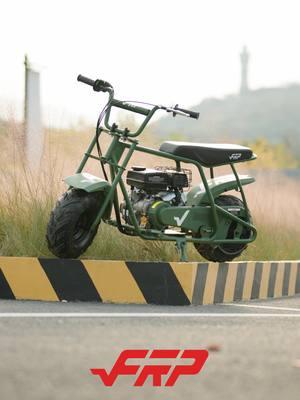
[[120, 367], [200, 356], [156, 371]]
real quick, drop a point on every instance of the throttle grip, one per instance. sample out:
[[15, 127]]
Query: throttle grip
[[192, 114], [85, 80]]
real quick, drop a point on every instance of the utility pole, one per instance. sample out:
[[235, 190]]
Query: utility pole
[[26, 64], [33, 131]]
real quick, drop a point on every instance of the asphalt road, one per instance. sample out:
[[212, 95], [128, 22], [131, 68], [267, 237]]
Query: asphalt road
[[46, 357]]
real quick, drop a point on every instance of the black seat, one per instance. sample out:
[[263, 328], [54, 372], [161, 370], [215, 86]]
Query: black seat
[[208, 155]]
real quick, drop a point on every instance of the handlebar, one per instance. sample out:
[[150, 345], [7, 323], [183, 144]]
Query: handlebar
[[99, 85]]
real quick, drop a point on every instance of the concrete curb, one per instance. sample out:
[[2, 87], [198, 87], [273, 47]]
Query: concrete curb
[[146, 282]]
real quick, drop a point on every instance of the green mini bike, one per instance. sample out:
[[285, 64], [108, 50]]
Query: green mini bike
[[159, 205]]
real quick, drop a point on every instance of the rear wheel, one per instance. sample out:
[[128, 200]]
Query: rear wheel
[[229, 251], [69, 231]]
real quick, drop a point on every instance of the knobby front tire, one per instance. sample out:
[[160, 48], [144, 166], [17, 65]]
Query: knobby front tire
[[69, 231]]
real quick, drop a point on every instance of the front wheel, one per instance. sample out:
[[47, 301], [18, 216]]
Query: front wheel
[[227, 251], [69, 231]]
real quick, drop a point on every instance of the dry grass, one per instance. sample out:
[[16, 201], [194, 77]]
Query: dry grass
[[27, 198]]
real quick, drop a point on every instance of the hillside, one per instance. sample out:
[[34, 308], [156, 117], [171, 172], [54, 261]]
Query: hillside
[[273, 113]]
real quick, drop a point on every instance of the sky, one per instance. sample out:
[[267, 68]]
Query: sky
[[161, 51]]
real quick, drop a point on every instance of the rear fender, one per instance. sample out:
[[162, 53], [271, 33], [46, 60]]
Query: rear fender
[[197, 195], [87, 182]]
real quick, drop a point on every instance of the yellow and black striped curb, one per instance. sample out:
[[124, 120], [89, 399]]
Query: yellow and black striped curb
[[146, 282]]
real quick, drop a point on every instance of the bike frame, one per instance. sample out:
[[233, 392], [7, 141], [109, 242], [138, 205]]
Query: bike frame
[[123, 140]]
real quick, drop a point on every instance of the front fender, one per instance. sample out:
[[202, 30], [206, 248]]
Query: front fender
[[197, 195], [87, 182]]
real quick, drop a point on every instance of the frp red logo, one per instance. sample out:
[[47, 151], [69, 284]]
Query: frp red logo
[[158, 370]]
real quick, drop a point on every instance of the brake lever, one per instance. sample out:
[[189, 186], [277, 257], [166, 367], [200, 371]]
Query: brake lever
[[175, 112]]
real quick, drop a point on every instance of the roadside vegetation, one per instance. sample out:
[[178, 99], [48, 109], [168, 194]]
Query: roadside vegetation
[[27, 198]]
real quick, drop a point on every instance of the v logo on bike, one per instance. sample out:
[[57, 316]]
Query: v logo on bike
[[179, 221]]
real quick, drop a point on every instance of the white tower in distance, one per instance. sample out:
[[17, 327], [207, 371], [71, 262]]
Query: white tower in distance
[[244, 56]]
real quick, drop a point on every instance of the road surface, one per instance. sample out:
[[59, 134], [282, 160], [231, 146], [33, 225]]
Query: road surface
[[50, 356]]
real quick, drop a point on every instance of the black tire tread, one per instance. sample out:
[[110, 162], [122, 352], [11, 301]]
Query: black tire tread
[[215, 253], [63, 219]]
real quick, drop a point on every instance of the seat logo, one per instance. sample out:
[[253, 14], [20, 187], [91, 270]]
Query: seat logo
[[235, 156], [171, 371]]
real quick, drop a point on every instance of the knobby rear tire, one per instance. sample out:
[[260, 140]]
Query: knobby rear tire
[[69, 231], [225, 252]]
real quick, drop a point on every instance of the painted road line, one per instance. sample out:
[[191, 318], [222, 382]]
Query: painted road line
[[148, 315], [263, 307]]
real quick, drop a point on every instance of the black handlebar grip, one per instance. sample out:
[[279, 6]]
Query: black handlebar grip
[[192, 114], [85, 80], [98, 85]]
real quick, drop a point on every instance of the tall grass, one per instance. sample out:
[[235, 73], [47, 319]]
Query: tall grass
[[27, 198]]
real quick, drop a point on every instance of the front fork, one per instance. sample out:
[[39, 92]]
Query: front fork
[[117, 179]]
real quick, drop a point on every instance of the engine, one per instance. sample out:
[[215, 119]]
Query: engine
[[160, 185]]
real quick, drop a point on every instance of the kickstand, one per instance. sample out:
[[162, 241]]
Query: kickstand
[[181, 248]]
